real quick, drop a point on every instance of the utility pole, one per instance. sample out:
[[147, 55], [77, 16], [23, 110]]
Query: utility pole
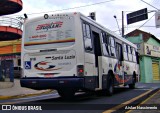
[[122, 24]]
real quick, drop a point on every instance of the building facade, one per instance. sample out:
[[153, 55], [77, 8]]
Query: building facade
[[149, 49], [10, 36]]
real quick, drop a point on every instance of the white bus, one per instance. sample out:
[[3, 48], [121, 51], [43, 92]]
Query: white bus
[[70, 52]]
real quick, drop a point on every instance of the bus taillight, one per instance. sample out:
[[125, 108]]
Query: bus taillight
[[80, 70]]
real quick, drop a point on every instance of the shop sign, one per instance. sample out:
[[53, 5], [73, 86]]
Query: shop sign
[[151, 50], [7, 57]]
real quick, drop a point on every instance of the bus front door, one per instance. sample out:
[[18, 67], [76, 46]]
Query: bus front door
[[98, 57]]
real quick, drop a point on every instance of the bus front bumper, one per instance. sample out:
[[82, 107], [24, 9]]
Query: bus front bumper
[[52, 83]]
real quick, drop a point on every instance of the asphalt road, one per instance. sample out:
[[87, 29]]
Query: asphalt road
[[82, 103]]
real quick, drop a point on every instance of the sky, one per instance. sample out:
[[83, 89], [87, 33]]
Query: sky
[[104, 9]]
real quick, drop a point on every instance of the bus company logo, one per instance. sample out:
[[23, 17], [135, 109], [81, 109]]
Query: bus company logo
[[45, 66], [48, 26]]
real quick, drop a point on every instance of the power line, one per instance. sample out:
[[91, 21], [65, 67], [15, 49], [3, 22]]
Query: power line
[[138, 26], [150, 4], [130, 27], [149, 18], [155, 2], [146, 21], [71, 7]]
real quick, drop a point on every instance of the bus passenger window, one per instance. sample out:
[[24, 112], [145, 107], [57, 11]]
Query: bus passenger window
[[87, 37], [125, 52], [109, 50], [112, 44], [129, 53], [119, 52], [133, 51], [104, 44], [124, 48], [134, 55], [88, 31], [84, 31], [129, 50], [105, 52]]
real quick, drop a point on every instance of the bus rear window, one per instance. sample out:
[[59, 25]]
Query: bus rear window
[[50, 33]]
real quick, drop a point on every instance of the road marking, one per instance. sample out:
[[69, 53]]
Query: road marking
[[145, 100], [126, 103]]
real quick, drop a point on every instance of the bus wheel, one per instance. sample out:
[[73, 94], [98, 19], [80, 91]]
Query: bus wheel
[[110, 85], [132, 86], [66, 94]]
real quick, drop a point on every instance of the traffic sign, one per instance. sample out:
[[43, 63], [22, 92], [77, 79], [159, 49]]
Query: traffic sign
[[137, 16]]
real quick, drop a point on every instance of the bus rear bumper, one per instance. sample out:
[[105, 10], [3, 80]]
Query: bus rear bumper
[[52, 83]]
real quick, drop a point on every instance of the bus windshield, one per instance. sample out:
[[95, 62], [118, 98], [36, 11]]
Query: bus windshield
[[50, 33]]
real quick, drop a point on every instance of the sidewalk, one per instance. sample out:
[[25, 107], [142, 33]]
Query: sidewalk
[[18, 91]]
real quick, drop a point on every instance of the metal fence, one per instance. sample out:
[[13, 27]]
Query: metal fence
[[12, 22]]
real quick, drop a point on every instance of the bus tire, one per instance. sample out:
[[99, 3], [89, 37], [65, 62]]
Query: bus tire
[[132, 86], [110, 85], [67, 94]]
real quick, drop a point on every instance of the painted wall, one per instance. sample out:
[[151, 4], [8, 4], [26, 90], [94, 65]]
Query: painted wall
[[9, 47], [142, 72], [153, 42], [145, 61], [136, 39], [146, 69]]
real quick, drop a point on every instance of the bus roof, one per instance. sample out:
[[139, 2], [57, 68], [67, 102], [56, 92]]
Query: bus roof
[[50, 16]]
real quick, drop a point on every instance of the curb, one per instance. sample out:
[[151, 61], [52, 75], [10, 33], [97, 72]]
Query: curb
[[25, 95]]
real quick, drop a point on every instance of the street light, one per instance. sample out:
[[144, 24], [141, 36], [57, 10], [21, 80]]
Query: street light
[[117, 24]]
